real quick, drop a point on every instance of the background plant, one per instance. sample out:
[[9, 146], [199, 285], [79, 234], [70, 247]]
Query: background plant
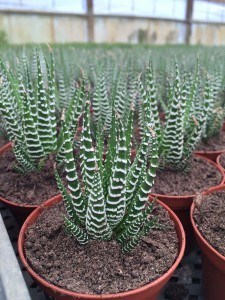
[[216, 112], [186, 116], [109, 76], [28, 110]]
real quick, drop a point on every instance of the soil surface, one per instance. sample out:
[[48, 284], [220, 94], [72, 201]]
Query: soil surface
[[222, 160], [209, 216], [98, 267], [32, 189], [200, 176], [214, 144]]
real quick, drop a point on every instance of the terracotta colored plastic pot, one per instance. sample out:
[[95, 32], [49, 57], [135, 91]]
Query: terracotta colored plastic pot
[[213, 263], [181, 206], [5, 147], [147, 292], [19, 210], [212, 155], [218, 161]]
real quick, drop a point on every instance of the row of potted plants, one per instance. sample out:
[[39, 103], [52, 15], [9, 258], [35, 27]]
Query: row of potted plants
[[110, 215]]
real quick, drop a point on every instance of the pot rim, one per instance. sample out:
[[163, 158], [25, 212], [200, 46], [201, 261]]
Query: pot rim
[[6, 147], [196, 230], [33, 217], [179, 197], [218, 152], [218, 159]]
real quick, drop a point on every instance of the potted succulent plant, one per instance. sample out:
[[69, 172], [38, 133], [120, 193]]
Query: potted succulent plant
[[180, 174], [28, 113], [207, 217], [107, 218], [213, 135]]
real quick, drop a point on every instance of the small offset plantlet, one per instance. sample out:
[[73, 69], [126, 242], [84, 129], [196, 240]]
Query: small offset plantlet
[[28, 113], [183, 127], [111, 201]]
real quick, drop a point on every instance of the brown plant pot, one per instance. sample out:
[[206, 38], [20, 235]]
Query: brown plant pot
[[6, 148], [213, 263], [147, 292], [19, 210], [218, 161], [212, 155], [181, 206]]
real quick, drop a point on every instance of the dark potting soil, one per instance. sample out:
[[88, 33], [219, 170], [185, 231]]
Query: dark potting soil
[[209, 216], [98, 267], [31, 189], [214, 144], [200, 176]]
